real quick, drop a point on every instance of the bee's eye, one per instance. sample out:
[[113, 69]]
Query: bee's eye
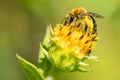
[[71, 18]]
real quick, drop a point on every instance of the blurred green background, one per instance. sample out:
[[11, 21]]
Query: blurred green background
[[22, 28]]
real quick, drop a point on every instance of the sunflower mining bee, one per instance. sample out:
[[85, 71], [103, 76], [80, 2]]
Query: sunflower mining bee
[[77, 17]]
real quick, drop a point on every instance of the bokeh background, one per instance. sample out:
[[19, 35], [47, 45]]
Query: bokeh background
[[22, 28]]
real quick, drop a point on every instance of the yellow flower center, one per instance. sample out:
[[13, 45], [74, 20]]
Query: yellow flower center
[[77, 34]]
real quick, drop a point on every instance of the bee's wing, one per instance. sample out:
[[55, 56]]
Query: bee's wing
[[95, 15]]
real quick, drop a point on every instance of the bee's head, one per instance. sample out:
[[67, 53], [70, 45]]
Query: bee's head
[[78, 12]]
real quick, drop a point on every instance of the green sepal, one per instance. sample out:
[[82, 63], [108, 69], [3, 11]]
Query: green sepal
[[30, 70], [82, 69], [91, 57], [47, 38], [43, 62]]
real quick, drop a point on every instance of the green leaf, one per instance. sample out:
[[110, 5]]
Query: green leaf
[[30, 70]]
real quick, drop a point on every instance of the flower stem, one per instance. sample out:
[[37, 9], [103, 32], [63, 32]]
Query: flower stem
[[53, 74]]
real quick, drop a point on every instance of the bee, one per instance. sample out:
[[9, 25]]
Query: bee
[[77, 17], [79, 31]]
